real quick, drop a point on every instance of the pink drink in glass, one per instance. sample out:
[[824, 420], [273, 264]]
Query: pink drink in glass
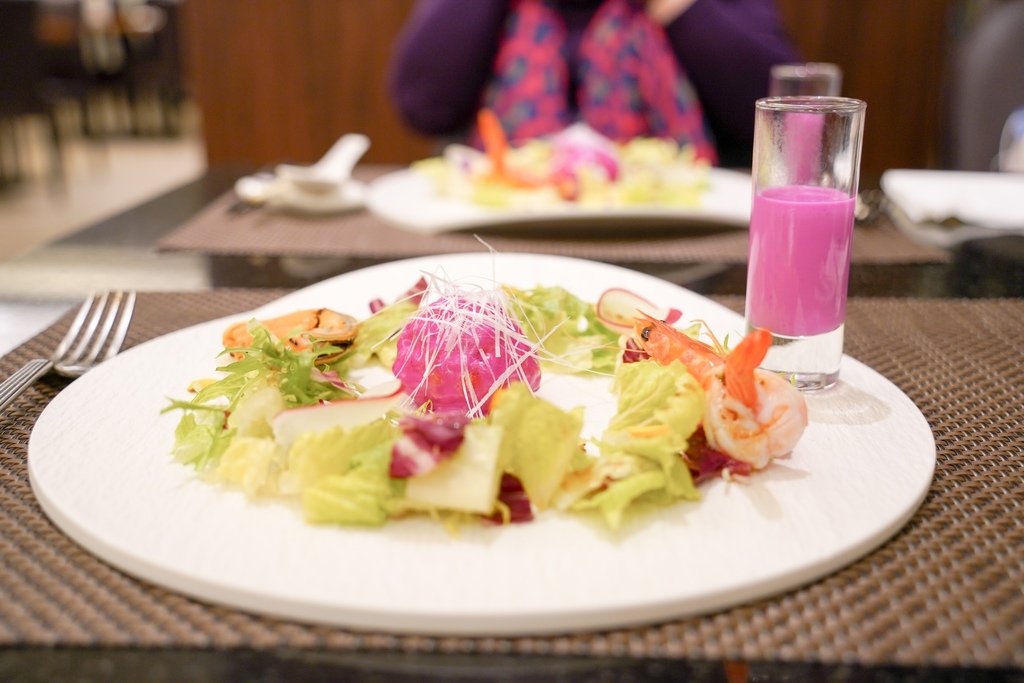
[[805, 171], [800, 240]]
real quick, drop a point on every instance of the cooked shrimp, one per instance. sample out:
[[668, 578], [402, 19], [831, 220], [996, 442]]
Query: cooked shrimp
[[751, 414]]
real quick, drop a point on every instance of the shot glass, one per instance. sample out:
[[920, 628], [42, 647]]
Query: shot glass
[[1011, 144], [806, 169], [805, 79]]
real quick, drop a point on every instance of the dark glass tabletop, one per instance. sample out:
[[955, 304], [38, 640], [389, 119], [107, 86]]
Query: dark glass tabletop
[[992, 267]]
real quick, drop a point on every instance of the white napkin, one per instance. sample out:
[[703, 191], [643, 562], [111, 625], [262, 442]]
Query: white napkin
[[987, 200]]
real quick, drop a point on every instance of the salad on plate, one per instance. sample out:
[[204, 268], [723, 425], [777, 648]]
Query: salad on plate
[[575, 167], [439, 404]]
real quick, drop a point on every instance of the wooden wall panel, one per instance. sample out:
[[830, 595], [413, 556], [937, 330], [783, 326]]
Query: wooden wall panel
[[893, 56], [282, 79]]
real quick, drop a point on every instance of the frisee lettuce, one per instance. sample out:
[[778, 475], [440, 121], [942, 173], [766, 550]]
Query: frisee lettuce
[[205, 430], [574, 339]]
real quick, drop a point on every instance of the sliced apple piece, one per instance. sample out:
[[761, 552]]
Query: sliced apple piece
[[391, 387], [618, 307], [375, 403]]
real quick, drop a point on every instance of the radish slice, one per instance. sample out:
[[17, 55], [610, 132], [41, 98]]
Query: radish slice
[[618, 307]]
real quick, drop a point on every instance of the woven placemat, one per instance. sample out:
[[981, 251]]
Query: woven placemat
[[944, 591], [215, 230]]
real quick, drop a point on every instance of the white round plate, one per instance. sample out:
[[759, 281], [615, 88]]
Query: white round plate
[[99, 464], [408, 200]]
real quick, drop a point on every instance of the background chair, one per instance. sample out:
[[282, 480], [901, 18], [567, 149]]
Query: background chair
[[987, 85], [154, 64], [21, 91]]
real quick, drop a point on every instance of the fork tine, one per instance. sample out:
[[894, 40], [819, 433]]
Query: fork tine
[[73, 356], [103, 332], [74, 329], [95, 336], [127, 310], [100, 331]]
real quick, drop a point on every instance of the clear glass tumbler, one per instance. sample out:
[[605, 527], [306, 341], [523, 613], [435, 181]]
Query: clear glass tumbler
[[805, 79], [806, 169], [1011, 144]]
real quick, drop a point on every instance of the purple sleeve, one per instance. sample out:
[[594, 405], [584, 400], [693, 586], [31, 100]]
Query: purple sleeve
[[441, 61], [728, 48]]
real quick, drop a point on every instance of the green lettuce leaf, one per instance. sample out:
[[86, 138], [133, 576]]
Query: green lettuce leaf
[[200, 437], [336, 451], [255, 411], [574, 339], [377, 338], [343, 474], [613, 501], [357, 498], [251, 463], [652, 395], [659, 408], [539, 440]]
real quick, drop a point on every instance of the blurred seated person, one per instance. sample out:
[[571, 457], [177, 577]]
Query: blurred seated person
[[684, 69]]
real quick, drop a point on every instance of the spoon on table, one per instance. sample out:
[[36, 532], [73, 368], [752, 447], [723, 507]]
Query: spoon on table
[[332, 171], [328, 175]]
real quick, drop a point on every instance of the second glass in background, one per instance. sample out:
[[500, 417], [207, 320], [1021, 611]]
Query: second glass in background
[[1011, 144], [805, 79], [806, 169]]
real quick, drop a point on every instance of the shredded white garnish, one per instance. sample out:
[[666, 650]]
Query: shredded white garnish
[[455, 312]]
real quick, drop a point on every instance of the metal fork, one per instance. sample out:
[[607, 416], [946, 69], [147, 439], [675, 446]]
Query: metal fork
[[101, 323]]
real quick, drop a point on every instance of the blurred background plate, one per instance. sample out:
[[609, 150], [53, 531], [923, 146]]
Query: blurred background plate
[[408, 200], [945, 208]]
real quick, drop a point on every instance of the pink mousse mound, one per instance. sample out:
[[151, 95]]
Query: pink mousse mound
[[459, 350]]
